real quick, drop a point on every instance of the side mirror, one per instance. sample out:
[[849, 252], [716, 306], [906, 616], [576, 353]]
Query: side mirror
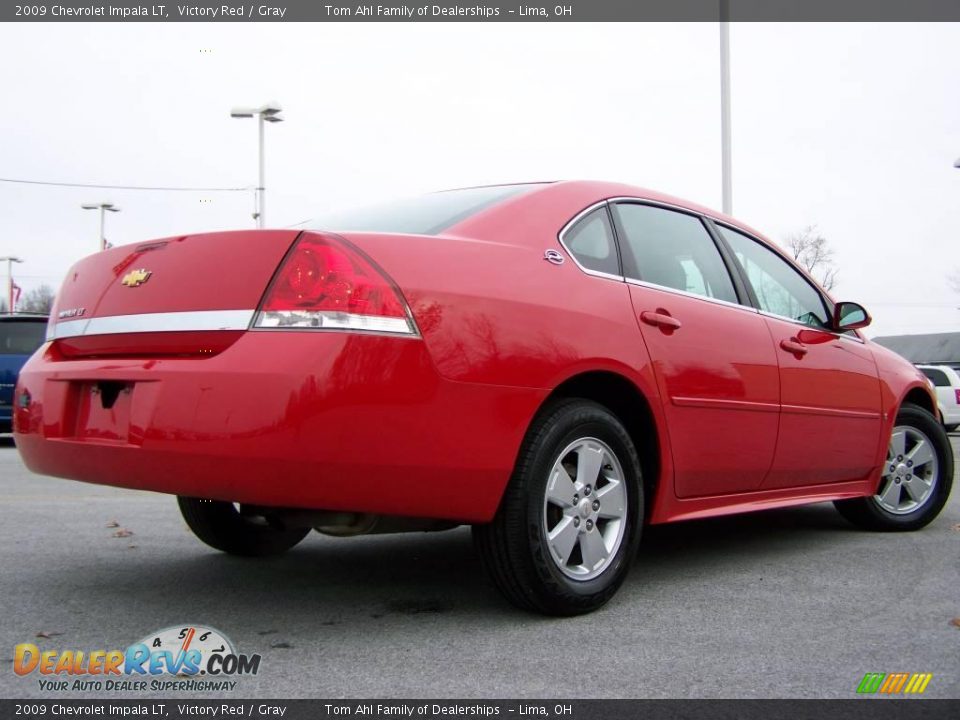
[[850, 316]]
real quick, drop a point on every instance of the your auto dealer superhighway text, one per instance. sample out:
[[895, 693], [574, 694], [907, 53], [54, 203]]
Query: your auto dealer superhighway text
[[163, 11]]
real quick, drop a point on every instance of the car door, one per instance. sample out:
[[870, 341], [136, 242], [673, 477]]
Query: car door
[[712, 356], [829, 388]]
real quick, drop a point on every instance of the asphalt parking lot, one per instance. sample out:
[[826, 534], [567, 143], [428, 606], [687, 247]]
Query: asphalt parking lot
[[787, 603]]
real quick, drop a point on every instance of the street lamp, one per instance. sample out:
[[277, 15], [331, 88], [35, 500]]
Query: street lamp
[[103, 208], [725, 149], [10, 261], [267, 113]]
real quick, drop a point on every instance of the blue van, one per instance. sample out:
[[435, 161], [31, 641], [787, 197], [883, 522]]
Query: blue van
[[20, 335]]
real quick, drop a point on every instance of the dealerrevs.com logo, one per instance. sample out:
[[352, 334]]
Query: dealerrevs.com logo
[[186, 657], [894, 683]]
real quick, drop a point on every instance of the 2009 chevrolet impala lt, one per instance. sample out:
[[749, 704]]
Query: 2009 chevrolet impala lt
[[556, 364]]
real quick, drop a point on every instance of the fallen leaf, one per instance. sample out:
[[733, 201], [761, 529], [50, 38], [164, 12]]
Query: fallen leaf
[[956, 528], [281, 645], [955, 622], [47, 634], [112, 524], [123, 532], [131, 547]]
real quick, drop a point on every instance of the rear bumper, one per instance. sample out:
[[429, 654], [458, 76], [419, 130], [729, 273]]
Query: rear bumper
[[321, 420]]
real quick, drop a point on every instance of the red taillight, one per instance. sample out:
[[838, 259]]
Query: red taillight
[[324, 283], [957, 394]]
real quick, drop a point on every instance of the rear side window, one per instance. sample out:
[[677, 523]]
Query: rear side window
[[779, 287], [21, 338], [937, 377], [590, 241], [424, 215], [674, 250]]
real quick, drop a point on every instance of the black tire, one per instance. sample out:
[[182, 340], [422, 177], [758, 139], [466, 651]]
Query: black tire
[[513, 547], [221, 526], [868, 513]]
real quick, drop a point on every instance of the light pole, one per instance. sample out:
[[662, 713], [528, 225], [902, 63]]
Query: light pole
[[103, 208], [267, 113], [725, 149], [10, 261]]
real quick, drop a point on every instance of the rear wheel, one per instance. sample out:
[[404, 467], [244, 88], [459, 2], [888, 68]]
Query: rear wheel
[[569, 522], [223, 526], [916, 480]]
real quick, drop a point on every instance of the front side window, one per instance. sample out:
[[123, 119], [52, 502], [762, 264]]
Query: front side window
[[674, 250], [779, 287], [590, 241]]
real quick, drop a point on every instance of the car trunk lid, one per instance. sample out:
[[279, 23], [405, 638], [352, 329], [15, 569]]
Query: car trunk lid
[[177, 295]]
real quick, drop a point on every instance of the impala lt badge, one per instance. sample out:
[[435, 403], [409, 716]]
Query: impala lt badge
[[136, 278]]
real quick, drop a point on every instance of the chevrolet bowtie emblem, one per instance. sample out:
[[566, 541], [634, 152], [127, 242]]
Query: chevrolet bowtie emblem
[[136, 278]]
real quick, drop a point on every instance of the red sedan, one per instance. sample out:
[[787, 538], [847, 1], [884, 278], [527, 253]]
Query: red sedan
[[556, 364]]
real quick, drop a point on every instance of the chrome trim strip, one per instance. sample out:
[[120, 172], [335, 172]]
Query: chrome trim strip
[[566, 228], [831, 412], [153, 322], [792, 321], [684, 293], [722, 404], [660, 203]]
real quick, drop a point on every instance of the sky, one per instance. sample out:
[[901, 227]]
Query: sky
[[852, 128]]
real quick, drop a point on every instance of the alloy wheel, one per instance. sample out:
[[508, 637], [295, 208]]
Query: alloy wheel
[[910, 472], [585, 509]]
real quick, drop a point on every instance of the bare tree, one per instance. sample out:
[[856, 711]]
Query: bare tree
[[953, 279], [810, 249], [38, 300]]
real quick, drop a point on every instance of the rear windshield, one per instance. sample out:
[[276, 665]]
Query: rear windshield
[[424, 215], [21, 337]]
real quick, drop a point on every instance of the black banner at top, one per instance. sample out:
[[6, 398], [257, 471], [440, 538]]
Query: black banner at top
[[483, 11], [420, 709]]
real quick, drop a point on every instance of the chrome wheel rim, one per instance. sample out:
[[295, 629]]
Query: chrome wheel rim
[[910, 472], [585, 509]]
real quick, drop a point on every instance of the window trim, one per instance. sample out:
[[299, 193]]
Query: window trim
[[616, 244], [732, 272], [686, 293], [748, 300]]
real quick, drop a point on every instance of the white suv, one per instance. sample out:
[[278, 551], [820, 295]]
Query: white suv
[[946, 383]]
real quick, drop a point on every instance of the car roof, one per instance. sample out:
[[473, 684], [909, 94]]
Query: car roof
[[597, 190]]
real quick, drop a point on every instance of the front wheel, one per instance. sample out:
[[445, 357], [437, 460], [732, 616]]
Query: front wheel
[[916, 479], [224, 526], [569, 522]]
